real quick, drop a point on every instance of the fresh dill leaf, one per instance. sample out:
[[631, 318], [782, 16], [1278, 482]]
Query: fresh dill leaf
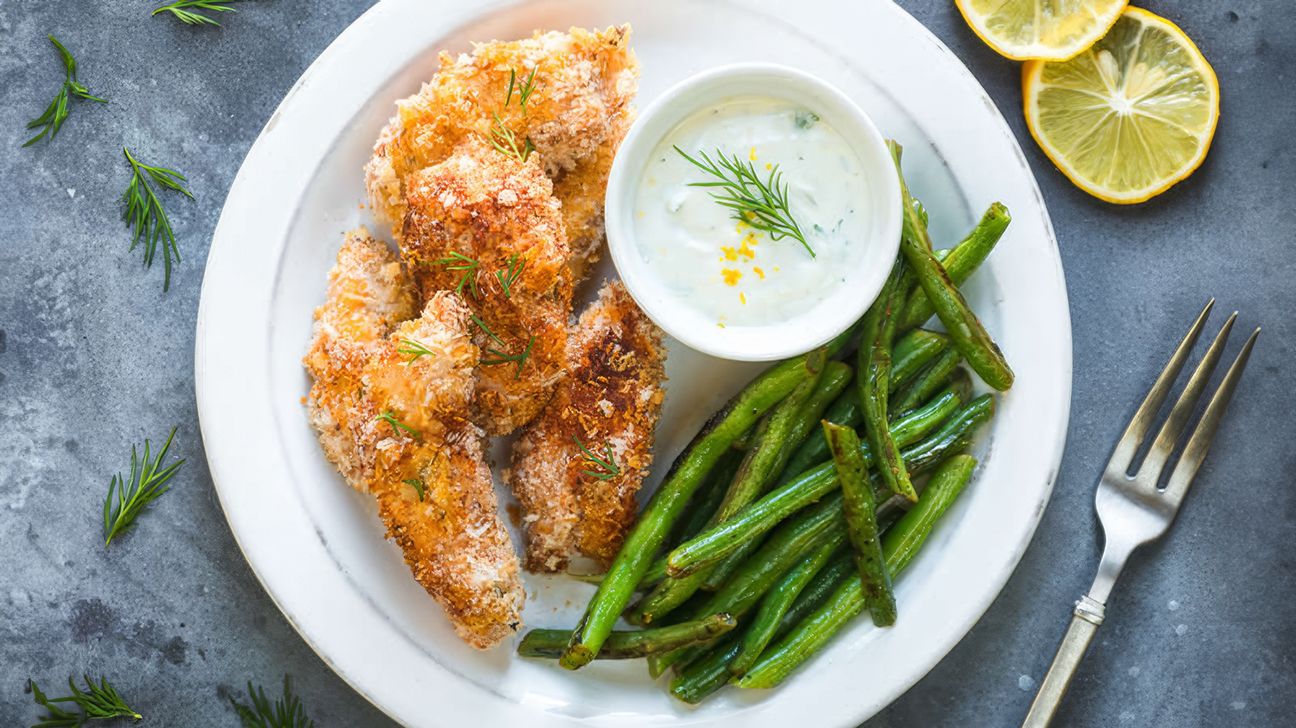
[[283, 713], [143, 212], [509, 275], [760, 203], [457, 261], [603, 468], [418, 486], [147, 483], [57, 112], [413, 349], [496, 355], [524, 91], [505, 141], [390, 418], [181, 10], [96, 702]]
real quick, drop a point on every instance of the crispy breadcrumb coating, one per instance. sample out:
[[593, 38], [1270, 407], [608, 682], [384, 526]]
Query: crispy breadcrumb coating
[[502, 214], [368, 294], [428, 473], [575, 118], [581, 192], [610, 401]]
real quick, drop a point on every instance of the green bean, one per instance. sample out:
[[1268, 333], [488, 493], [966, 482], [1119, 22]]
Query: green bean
[[632, 644], [704, 503], [786, 546], [762, 462], [861, 523], [844, 411], [873, 382], [775, 604], [913, 352], [706, 674], [700, 509], [711, 670], [759, 517], [836, 377], [965, 330], [898, 548], [960, 263], [841, 567], [666, 505], [908, 352], [955, 434], [929, 380]]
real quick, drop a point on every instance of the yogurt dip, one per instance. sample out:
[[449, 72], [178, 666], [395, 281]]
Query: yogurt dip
[[718, 260]]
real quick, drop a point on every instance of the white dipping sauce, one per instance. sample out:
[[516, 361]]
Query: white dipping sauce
[[724, 269]]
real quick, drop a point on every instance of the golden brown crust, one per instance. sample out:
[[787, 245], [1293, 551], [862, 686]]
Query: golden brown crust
[[498, 212], [581, 192], [368, 294], [453, 538], [610, 398], [575, 118]]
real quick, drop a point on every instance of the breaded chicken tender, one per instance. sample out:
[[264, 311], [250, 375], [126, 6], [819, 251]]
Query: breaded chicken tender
[[575, 117], [488, 226], [368, 294], [392, 405], [577, 468]]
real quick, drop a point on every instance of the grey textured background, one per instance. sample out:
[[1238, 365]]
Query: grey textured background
[[94, 356]]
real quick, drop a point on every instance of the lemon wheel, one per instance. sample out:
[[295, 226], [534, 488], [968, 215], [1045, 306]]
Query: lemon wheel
[[1050, 30], [1131, 116]]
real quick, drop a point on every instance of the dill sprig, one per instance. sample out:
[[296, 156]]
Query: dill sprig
[[524, 91], [603, 468], [760, 203], [390, 418], [96, 702], [504, 140], [180, 9], [144, 213], [509, 275], [457, 261], [498, 356], [57, 112], [413, 349], [286, 712], [418, 486], [147, 483]]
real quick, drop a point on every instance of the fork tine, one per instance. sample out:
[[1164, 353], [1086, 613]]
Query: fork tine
[[1150, 471], [1142, 421], [1195, 452]]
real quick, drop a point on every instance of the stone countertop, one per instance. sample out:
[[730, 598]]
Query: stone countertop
[[94, 356]]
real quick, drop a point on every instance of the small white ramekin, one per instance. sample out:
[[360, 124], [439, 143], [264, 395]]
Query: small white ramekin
[[778, 339]]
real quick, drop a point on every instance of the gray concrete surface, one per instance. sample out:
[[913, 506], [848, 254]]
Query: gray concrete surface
[[94, 356]]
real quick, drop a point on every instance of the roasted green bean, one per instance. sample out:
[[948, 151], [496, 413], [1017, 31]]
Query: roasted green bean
[[898, 548], [758, 518], [861, 522], [960, 263], [873, 379], [965, 329], [628, 645], [760, 465]]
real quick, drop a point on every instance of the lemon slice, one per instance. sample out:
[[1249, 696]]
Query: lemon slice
[[1131, 116], [1048, 30]]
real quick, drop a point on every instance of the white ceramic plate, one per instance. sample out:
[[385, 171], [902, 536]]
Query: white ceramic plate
[[317, 546]]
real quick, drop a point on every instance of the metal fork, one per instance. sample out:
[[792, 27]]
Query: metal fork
[[1132, 509]]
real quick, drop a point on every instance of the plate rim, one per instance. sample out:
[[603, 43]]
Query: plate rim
[[216, 433]]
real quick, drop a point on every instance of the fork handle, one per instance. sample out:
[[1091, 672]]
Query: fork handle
[[1087, 616]]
